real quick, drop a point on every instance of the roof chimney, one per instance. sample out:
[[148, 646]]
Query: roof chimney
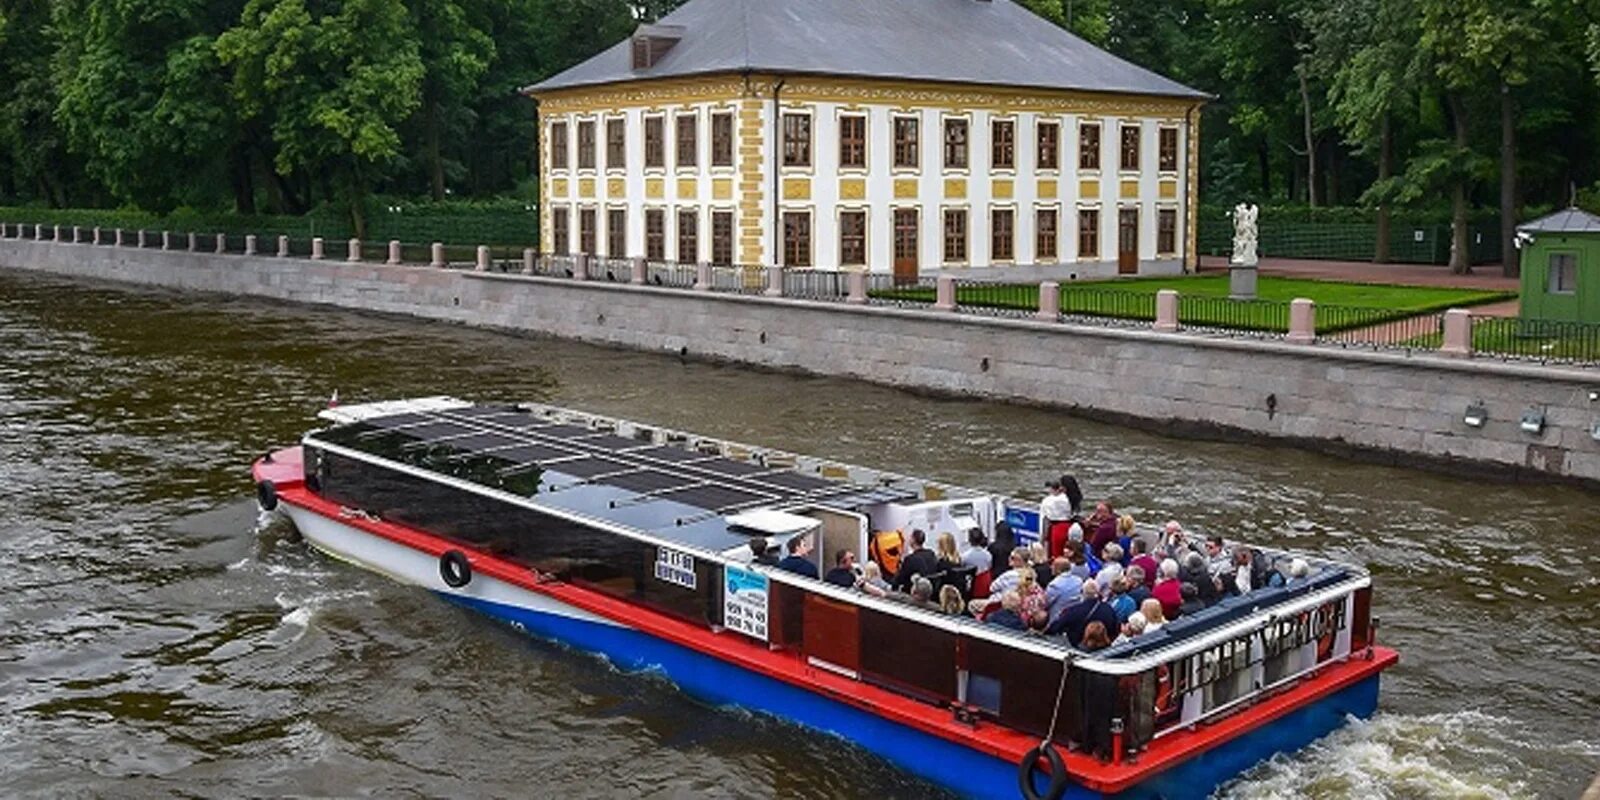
[[651, 43]]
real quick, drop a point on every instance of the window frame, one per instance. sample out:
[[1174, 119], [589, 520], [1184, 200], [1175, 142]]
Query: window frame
[[588, 235], [1053, 214], [723, 148], [1088, 235], [911, 147], [797, 144], [721, 240], [1570, 258], [795, 255], [965, 241], [655, 241], [560, 230], [587, 145], [560, 146], [1163, 162], [1129, 148], [1010, 240], [613, 231], [861, 237], [693, 140], [617, 151], [965, 145], [1053, 164], [1166, 231], [847, 145], [1090, 157], [688, 234], [1003, 148]]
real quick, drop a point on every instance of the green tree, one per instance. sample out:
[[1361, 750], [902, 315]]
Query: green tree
[[456, 51], [331, 81], [34, 162]]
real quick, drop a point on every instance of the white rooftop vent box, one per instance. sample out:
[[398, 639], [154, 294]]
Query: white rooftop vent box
[[771, 522]]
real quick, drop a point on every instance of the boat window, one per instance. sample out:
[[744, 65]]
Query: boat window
[[908, 656]]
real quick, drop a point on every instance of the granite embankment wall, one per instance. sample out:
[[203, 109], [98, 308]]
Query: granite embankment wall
[[1387, 405]]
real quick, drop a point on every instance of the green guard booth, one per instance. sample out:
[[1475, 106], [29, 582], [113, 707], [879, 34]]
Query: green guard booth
[[1561, 267]]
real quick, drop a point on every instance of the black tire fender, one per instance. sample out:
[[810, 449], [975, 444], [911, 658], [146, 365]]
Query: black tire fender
[[455, 569], [267, 495], [1058, 773]]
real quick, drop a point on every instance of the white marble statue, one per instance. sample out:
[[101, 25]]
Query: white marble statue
[[1244, 235]]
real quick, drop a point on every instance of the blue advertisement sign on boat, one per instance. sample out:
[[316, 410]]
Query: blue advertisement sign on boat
[[1024, 523]]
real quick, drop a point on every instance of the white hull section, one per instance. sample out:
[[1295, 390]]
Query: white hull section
[[403, 564]]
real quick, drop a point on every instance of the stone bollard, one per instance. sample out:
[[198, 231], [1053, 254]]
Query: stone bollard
[[702, 276], [580, 267], [774, 281], [945, 293], [57, 233], [857, 280], [316, 248], [140, 240], [96, 239], [1167, 311], [394, 252], [437, 256], [117, 237], [1049, 302], [529, 259], [222, 243], [1457, 333], [77, 235], [38, 232], [194, 242], [1302, 321], [283, 246], [250, 244], [639, 272], [166, 240], [353, 255], [483, 258]]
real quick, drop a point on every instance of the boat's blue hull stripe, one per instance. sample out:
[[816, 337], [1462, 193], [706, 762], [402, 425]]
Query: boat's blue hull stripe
[[941, 761]]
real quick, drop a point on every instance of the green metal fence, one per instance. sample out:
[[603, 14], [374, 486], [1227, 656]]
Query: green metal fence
[[1425, 243]]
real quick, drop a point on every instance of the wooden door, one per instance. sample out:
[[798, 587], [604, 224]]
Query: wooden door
[[1128, 241], [905, 245]]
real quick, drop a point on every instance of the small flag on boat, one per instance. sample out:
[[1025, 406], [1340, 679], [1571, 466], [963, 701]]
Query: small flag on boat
[[333, 402]]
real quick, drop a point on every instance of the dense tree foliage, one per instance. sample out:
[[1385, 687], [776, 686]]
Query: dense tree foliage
[[1443, 106]]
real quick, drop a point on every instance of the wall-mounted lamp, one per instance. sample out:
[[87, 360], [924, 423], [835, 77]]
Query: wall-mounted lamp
[[1594, 395], [1477, 414], [1533, 421]]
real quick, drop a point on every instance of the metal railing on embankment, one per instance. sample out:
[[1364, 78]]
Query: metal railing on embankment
[[1456, 332]]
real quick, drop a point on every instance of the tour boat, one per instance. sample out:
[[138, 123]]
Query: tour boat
[[633, 542]]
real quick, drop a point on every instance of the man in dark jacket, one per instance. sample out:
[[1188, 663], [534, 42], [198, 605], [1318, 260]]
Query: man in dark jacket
[[1077, 617], [843, 573], [799, 559], [920, 561]]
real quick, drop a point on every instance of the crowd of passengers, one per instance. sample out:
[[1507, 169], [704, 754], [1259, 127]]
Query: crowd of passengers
[[1090, 579]]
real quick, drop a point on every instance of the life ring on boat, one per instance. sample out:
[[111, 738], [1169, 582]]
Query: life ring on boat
[[455, 569], [1058, 773], [267, 495]]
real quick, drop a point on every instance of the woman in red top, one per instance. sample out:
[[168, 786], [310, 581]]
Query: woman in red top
[[1168, 590]]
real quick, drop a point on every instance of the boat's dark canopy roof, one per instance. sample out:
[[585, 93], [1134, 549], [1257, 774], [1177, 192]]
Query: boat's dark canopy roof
[[670, 490]]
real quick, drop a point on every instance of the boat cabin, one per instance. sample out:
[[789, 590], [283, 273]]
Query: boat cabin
[[664, 520]]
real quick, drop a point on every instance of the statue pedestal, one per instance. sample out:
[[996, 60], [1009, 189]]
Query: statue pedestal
[[1242, 281]]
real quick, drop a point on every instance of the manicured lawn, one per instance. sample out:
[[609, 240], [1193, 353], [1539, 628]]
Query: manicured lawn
[[1204, 302]]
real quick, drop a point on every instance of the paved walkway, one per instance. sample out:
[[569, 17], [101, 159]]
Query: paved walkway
[[1484, 276]]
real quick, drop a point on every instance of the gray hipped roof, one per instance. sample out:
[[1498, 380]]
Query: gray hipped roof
[[990, 42], [1567, 220]]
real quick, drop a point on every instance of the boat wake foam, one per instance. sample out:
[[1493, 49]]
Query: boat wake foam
[[1448, 755]]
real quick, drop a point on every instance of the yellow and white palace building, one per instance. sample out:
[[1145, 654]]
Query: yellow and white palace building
[[909, 136]]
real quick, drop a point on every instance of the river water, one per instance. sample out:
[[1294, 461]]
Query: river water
[[155, 640]]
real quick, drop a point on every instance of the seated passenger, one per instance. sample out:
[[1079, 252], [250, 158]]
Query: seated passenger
[[1138, 584], [1111, 567], [844, 570], [1217, 554], [1121, 601], [1102, 528], [872, 581], [1008, 616], [1018, 564], [1196, 572], [950, 602], [1133, 627], [977, 553], [1244, 576], [1143, 560], [944, 549], [1154, 618], [1033, 600], [1191, 600], [1125, 536], [1077, 617], [1095, 637], [798, 561], [1299, 572], [761, 554], [1000, 549], [1065, 588], [1167, 589], [922, 594], [1039, 559], [919, 561]]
